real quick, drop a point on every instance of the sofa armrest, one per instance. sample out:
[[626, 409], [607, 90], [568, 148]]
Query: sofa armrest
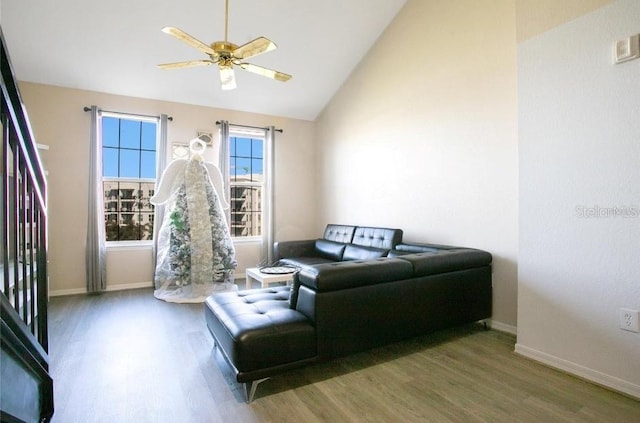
[[302, 248]]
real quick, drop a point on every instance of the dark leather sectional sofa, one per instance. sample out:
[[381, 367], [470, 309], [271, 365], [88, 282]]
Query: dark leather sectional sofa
[[357, 288]]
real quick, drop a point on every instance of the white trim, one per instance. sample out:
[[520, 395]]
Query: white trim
[[116, 287], [575, 369], [246, 239], [130, 116], [503, 327], [65, 292], [128, 178], [125, 286], [244, 131], [129, 245]]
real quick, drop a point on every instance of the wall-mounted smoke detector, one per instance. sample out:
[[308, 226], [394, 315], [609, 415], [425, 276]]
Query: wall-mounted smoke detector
[[628, 49]]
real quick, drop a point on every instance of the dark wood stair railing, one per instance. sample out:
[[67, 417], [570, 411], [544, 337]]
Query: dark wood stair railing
[[27, 387]]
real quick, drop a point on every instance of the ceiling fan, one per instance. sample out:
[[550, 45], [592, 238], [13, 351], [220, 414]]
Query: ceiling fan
[[226, 55]]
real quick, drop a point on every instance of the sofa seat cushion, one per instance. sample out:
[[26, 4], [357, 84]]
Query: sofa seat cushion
[[256, 329], [356, 252], [301, 262], [414, 247]]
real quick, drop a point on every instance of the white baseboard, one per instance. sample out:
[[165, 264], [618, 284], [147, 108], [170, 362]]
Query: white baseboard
[[586, 373], [118, 287], [503, 327], [64, 292], [124, 286]]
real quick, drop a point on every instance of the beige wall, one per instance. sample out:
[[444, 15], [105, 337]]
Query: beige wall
[[423, 135], [534, 17], [58, 120]]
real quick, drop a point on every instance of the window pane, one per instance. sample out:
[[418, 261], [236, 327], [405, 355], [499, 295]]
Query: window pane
[[148, 136], [232, 146], [243, 168], [146, 192], [146, 226], [110, 162], [129, 163], [243, 147], [128, 212], [110, 132], [256, 148], [148, 164], [256, 170], [129, 133]]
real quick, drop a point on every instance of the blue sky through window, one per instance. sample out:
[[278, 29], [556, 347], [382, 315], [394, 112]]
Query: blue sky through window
[[129, 148], [246, 156]]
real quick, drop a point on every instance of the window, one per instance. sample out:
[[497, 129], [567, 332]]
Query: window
[[246, 180], [128, 176]]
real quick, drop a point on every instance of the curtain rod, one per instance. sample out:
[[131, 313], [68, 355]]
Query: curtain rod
[[248, 126], [88, 109]]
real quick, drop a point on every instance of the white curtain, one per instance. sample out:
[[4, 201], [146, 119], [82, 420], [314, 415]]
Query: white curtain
[[161, 164], [268, 203], [96, 271]]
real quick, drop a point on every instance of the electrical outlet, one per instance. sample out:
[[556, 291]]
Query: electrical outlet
[[629, 319]]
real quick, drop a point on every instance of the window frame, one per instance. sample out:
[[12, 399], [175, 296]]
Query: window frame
[[135, 118], [253, 134]]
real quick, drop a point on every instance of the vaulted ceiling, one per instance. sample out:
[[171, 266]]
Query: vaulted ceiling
[[113, 47]]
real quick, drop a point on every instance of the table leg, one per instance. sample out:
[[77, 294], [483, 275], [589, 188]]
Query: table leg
[[248, 281]]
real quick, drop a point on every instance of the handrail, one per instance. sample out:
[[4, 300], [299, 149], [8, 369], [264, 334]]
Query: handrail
[[23, 251], [24, 209]]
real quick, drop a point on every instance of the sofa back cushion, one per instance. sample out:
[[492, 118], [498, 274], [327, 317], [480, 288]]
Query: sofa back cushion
[[329, 249], [443, 261], [377, 237], [352, 274], [339, 233], [357, 252]]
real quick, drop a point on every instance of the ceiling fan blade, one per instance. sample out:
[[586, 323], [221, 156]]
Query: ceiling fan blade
[[188, 64], [269, 73], [227, 77], [253, 48], [186, 38]]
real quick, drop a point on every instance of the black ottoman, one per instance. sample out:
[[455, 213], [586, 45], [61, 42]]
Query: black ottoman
[[259, 334]]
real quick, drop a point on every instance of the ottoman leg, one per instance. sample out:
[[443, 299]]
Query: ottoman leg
[[250, 388]]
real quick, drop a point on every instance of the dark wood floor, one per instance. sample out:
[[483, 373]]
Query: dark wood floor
[[127, 357]]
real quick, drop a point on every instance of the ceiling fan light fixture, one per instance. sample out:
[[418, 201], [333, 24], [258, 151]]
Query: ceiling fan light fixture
[[227, 78]]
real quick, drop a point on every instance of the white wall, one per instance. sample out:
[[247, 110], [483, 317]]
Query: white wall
[[423, 135], [579, 120], [58, 120]]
